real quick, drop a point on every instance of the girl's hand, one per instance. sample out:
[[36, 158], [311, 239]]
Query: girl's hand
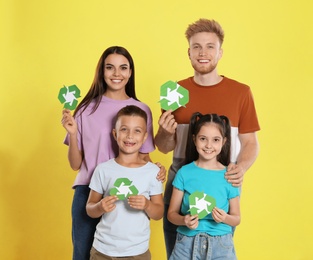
[[108, 203], [191, 222], [162, 173], [69, 122], [219, 215], [138, 202]]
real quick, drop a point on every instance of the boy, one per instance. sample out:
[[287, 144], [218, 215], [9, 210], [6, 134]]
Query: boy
[[126, 193]]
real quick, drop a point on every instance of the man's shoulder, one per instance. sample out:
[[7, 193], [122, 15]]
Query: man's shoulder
[[184, 81], [234, 83]]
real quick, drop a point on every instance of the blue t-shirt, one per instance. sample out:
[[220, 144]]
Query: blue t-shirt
[[191, 178]]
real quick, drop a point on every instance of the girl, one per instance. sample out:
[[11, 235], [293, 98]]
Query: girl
[[207, 153], [89, 135]]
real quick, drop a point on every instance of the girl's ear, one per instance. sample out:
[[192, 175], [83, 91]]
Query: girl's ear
[[194, 139], [224, 140], [114, 133]]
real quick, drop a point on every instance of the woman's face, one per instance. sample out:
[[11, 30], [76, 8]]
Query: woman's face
[[117, 72]]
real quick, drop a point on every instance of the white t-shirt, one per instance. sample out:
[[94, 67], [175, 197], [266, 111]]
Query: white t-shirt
[[124, 231]]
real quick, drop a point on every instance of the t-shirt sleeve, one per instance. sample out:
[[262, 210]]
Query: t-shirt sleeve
[[178, 181], [95, 182], [156, 187], [233, 192], [248, 121]]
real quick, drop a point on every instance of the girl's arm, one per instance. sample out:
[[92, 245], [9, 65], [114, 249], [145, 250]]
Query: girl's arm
[[97, 205], [75, 156], [153, 207], [173, 214], [233, 216]]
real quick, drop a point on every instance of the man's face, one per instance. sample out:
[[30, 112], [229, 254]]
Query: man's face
[[204, 52]]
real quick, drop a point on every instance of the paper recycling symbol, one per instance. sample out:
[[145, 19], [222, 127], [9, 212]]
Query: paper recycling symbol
[[201, 204], [123, 189], [173, 96], [68, 96]]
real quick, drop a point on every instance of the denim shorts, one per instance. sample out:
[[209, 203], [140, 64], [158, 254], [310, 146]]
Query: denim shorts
[[203, 247]]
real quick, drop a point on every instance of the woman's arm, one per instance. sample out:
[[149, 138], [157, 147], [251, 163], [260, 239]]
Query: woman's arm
[[75, 156], [161, 176]]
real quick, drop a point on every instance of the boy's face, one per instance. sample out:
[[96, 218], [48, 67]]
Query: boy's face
[[130, 133], [204, 52]]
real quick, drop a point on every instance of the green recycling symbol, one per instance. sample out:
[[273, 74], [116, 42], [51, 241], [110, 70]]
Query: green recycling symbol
[[123, 189], [173, 96], [68, 96], [201, 204]]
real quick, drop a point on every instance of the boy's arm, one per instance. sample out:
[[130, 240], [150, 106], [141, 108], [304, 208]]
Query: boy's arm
[[97, 205], [153, 207]]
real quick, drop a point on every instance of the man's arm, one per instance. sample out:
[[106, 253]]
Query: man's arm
[[165, 138], [248, 153]]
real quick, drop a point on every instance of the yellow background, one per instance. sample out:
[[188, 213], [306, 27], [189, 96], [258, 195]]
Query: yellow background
[[48, 44]]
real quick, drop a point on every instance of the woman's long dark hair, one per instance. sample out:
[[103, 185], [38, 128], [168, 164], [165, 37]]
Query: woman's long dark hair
[[196, 122], [99, 87]]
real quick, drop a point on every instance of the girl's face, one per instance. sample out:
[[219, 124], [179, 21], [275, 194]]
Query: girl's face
[[117, 72], [130, 133], [209, 142]]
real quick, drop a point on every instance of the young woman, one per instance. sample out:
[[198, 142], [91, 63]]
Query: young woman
[[90, 139], [207, 154]]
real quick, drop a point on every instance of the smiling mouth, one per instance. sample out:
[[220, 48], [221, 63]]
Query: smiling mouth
[[129, 144], [116, 80], [203, 61]]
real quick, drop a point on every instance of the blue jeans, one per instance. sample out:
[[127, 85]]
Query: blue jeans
[[83, 227], [170, 232], [204, 247]]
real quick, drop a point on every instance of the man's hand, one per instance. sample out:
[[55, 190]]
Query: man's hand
[[167, 123], [234, 174]]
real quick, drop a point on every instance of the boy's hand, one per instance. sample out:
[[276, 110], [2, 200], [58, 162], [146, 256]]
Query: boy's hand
[[108, 203], [138, 202]]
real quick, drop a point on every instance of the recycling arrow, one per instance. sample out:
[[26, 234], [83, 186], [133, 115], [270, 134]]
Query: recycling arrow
[[123, 189], [68, 96], [173, 96], [201, 204]]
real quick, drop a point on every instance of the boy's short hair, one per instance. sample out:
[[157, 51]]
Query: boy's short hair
[[132, 110], [205, 25]]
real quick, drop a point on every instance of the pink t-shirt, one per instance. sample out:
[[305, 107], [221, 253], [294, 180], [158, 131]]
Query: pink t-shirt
[[95, 137]]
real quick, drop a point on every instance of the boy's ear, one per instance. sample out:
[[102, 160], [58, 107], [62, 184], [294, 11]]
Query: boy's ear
[[145, 137], [114, 133]]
